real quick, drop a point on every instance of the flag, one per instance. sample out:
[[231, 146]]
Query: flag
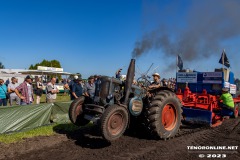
[[224, 60], [179, 62]]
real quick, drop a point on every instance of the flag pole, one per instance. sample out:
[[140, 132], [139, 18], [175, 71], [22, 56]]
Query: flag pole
[[176, 64], [223, 55]]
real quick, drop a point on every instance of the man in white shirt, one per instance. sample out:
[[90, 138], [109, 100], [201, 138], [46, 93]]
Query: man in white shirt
[[52, 91], [11, 89]]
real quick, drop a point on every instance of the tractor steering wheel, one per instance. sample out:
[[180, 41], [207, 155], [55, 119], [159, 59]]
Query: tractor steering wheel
[[143, 81]]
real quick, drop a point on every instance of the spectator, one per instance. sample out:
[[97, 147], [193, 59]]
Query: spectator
[[135, 81], [69, 85], [89, 90], [118, 73], [3, 92], [83, 83], [64, 82], [52, 91], [97, 88], [164, 82], [95, 78], [77, 89], [11, 89], [7, 82], [26, 90], [39, 90], [57, 80]]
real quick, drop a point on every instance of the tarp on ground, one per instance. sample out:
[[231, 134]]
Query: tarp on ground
[[60, 112], [18, 118]]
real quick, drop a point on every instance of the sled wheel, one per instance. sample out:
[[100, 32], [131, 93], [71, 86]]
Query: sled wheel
[[236, 110]]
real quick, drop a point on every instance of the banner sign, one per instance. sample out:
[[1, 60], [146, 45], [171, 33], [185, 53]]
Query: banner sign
[[44, 68], [233, 89], [183, 77], [212, 77]]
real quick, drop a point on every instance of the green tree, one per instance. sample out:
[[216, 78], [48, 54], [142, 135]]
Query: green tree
[[46, 63], [1, 66], [51, 63], [31, 67]]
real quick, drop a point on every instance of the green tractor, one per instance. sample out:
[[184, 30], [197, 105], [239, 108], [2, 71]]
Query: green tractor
[[117, 103]]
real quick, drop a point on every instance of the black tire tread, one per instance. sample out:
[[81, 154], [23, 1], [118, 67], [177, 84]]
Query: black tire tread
[[154, 111], [104, 119], [78, 121]]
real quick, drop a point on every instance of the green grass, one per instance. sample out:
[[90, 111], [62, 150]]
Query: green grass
[[60, 98], [41, 131]]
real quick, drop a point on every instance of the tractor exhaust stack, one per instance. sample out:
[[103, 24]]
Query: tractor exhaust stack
[[129, 80]]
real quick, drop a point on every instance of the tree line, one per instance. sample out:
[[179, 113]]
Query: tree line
[[46, 63]]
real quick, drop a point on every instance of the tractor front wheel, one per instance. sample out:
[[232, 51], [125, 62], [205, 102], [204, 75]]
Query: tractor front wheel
[[114, 122]]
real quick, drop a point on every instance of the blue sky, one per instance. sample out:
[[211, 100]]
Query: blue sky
[[93, 36]]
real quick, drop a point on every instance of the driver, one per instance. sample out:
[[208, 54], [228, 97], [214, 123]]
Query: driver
[[227, 100], [156, 81]]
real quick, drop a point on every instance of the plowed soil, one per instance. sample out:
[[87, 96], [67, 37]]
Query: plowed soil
[[84, 144]]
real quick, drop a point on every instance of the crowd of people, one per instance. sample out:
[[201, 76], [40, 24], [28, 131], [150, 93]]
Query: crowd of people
[[16, 93], [77, 87], [23, 93], [155, 83]]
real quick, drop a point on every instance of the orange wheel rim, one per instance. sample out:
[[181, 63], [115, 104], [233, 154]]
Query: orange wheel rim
[[236, 111], [169, 117]]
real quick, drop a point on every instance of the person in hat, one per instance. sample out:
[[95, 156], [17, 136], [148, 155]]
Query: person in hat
[[26, 90], [89, 90], [156, 81], [118, 73], [68, 86], [77, 89], [227, 99]]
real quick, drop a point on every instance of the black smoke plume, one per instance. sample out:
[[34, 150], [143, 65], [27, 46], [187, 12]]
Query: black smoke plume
[[207, 24]]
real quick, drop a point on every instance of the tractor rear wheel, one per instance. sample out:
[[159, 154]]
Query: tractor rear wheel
[[75, 112], [236, 111], [114, 122], [164, 114]]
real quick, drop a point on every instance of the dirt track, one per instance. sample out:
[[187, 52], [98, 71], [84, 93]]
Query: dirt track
[[82, 145]]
